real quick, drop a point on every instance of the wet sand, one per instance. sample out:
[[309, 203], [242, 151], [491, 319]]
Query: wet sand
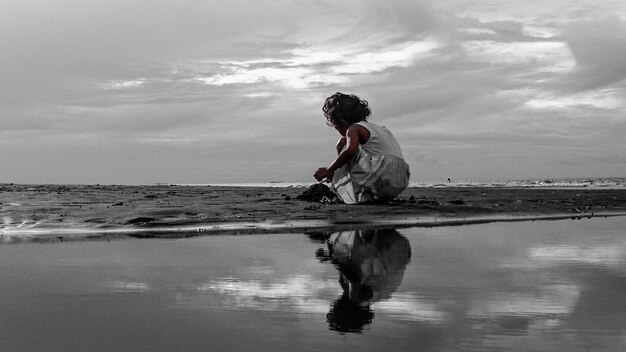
[[60, 212]]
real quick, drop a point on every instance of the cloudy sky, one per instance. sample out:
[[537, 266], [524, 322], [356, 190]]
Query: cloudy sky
[[192, 91]]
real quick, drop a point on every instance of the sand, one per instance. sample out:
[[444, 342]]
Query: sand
[[66, 212]]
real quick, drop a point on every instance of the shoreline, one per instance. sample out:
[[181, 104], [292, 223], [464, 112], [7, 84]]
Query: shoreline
[[45, 235], [46, 213]]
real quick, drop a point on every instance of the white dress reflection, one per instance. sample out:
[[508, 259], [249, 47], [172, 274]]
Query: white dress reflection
[[371, 265]]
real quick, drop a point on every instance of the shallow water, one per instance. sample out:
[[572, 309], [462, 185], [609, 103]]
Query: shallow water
[[531, 286]]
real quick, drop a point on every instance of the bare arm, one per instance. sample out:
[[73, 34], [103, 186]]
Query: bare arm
[[351, 148], [354, 135]]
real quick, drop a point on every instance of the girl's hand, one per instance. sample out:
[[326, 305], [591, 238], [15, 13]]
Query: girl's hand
[[322, 173]]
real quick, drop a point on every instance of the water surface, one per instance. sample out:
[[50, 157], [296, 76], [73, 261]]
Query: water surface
[[531, 286]]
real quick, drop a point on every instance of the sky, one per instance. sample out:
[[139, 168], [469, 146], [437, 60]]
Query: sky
[[222, 91]]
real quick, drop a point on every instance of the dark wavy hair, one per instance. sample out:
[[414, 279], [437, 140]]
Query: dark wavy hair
[[343, 110], [348, 316]]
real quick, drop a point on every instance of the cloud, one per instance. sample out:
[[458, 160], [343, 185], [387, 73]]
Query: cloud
[[412, 307], [302, 293], [599, 48], [306, 67], [611, 256], [306, 294], [550, 300], [254, 74], [127, 287]]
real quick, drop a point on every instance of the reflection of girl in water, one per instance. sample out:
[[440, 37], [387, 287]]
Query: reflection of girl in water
[[371, 265]]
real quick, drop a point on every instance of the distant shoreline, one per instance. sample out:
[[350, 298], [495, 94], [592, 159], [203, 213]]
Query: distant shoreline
[[546, 183]]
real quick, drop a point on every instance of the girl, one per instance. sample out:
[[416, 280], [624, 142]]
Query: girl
[[370, 166]]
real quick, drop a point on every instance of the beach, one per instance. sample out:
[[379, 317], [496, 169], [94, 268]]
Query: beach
[[189, 268], [66, 212]]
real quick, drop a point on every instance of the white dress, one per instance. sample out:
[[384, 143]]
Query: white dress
[[377, 172], [376, 258]]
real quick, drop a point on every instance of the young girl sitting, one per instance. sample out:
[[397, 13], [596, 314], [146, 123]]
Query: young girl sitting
[[370, 166]]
